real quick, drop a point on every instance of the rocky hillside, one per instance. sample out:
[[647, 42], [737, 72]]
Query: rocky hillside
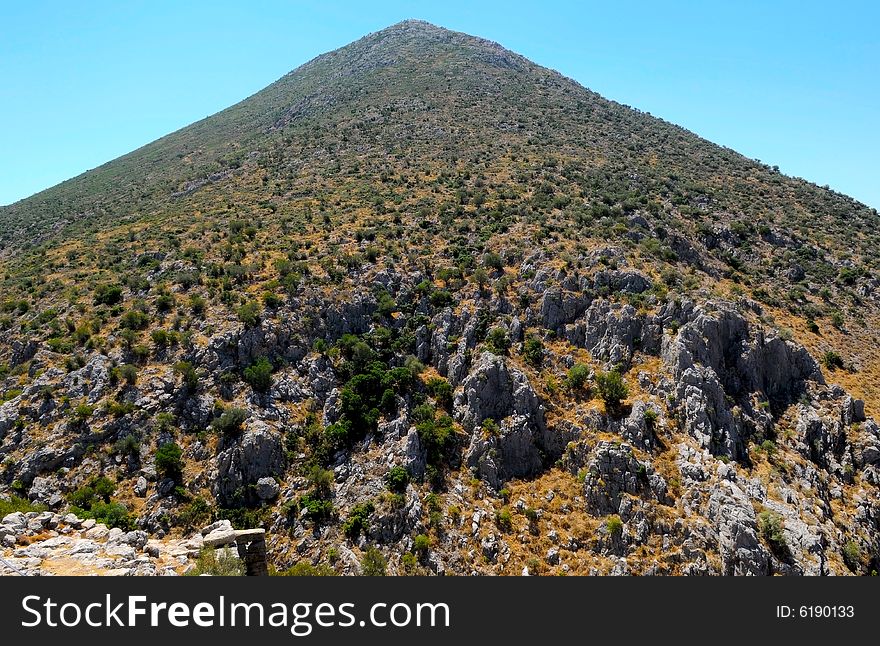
[[422, 306]]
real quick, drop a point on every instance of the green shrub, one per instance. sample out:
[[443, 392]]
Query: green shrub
[[533, 351], [498, 341], [230, 421], [164, 302], [197, 305], [441, 298], [614, 525], [249, 314], [504, 520], [259, 375], [440, 390], [168, 461], [189, 375], [213, 562], [126, 372], [108, 295], [119, 409], [134, 320], [832, 360], [373, 563], [16, 503], [321, 481], [612, 388], [159, 337], [272, 300], [317, 509], [771, 527], [195, 514], [397, 479], [852, 556], [357, 519], [103, 487], [437, 437], [577, 377], [113, 514], [82, 412], [410, 564], [421, 544], [304, 568], [128, 445]]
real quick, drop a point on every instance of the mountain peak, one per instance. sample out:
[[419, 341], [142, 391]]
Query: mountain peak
[[424, 250]]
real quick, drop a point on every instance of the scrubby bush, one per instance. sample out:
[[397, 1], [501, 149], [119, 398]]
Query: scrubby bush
[[498, 341], [421, 543], [108, 295], [126, 372], [441, 298], [357, 519], [230, 421], [317, 509], [249, 314], [577, 377], [440, 390], [373, 563], [304, 568], [214, 562], [127, 445], [614, 525], [397, 479], [134, 319], [533, 351], [259, 375], [612, 388], [321, 481], [168, 461], [188, 374], [771, 527], [832, 360], [15, 503], [852, 556], [504, 520]]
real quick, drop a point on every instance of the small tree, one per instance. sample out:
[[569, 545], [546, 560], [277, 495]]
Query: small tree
[[249, 314], [231, 421], [168, 461], [533, 351], [397, 479], [188, 373], [373, 563], [612, 388], [577, 377], [498, 340], [481, 278], [259, 375]]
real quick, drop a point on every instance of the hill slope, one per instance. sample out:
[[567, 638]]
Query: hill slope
[[424, 251]]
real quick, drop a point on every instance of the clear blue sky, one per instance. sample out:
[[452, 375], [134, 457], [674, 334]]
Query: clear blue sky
[[791, 83]]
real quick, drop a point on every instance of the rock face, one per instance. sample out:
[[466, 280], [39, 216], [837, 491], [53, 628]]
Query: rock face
[[257, 454], [613, 472], [612, 332], [722, 370], [741, 551], [494, 391]]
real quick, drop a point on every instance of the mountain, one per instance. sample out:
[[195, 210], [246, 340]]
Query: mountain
[[426, 297]]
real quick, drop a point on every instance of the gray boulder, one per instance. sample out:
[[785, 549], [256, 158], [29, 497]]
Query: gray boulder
[[258, 453], [612, 473], [731, 512]]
